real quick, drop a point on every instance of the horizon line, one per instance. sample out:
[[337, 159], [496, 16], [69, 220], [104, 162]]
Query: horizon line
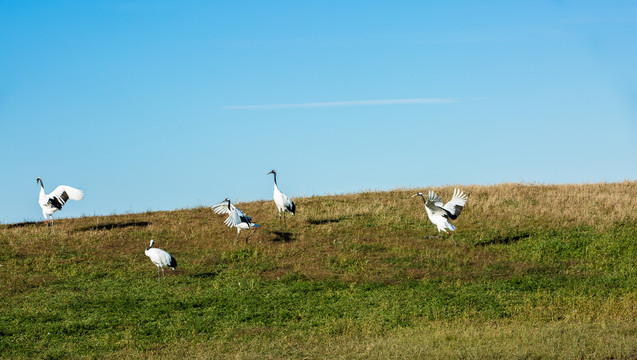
[[344, 103]]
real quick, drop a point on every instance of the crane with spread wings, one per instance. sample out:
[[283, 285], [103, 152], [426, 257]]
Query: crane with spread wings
[[440, 214], [236, 218], [54, 201]]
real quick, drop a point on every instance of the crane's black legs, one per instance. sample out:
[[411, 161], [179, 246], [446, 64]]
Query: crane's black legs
[[285, 225], [247, 237], [160, 271], [47, 226], [252, 232], [451, 236]]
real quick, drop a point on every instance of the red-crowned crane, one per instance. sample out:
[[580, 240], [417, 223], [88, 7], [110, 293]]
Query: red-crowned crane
[[440, 214], [283, 202], [160, 258], [236, 218], [56, 199]]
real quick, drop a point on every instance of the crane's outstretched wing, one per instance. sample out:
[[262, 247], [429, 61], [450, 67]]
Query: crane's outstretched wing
[[434, 204], [62, 193], [235, 216], [433, 198], [455, 205], [222, 208]]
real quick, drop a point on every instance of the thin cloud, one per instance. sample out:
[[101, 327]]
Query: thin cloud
[[344, 103]]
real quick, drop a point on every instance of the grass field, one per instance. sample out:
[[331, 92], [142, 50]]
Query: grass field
[[541, 271]]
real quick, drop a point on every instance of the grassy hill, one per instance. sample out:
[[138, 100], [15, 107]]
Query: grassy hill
[[541, 271]]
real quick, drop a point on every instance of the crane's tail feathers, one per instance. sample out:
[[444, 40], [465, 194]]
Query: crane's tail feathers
[[291, 208]]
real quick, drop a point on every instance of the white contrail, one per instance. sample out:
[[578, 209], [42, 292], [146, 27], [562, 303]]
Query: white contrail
[[344, 103]]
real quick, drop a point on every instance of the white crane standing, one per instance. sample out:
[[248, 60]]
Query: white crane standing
[[160, 258], [236, 218], [283, 202], [440, 214], [54, 201]]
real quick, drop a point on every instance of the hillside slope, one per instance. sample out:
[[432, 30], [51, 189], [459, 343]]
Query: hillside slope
[[541, 271]]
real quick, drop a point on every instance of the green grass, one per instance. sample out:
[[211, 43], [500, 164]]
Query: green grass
[[353, 277]]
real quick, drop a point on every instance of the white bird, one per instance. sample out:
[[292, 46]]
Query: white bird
[[236, 218], [56, 199], [440, 214], [283, 202], [160, 258]]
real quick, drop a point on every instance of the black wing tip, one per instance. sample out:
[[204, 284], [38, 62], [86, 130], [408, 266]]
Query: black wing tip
[[456, 212]]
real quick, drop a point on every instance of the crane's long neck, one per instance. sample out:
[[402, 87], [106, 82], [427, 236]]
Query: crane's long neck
[[423, 198], [42, 193], [275, 186]]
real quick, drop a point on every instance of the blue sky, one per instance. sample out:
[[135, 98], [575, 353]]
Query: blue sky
[[157, 105]]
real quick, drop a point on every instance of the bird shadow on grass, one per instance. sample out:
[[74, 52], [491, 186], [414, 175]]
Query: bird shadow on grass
[[504, 239], [282, 236], [323, 221], [206, 275], [22, 224], [111, 226]]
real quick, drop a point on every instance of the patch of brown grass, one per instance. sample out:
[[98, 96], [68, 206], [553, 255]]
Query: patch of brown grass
[[372, 236]]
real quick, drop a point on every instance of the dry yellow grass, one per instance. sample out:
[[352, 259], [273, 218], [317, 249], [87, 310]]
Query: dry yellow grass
[[329, 233]]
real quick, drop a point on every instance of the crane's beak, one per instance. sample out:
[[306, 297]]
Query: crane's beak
[[414, 195]]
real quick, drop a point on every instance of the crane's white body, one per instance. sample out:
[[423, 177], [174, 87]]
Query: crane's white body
[[440, 214], [236, 218], [50, 203], [160, 258], [283, 202]]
